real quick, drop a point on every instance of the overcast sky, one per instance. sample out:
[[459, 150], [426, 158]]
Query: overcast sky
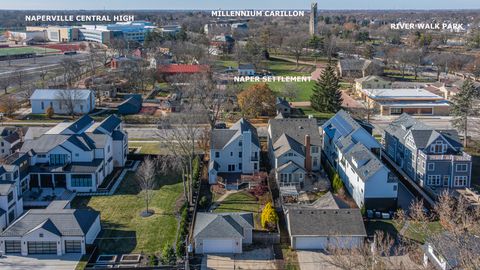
[[237, 4]]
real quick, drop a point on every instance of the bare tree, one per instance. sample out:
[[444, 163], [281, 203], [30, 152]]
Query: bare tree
[[295, 45], [68, 100], [71, 70], [289, 90], [9, 105], [5, 83], [146, 176], [178, 134]]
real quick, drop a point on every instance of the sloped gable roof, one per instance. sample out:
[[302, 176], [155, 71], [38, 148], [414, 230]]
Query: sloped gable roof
[[286, 143], [222, 225]]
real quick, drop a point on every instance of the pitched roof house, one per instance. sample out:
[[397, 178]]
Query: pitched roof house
[[357, 68], [355, 154], [51, 231], [222, 232], [76, 156], [434, 158], [293, 148], [324, 227], [63, 101], [233, 152]]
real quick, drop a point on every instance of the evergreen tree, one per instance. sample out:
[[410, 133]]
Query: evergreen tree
[[463, 107], [327, 96]]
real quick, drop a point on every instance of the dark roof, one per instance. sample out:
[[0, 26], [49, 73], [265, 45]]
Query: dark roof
[[220, 137], [282, 101], [118, 135], [326, 222], [246, 66], [66, 222], [366, 164], [295, 128], [110, 123], [12, 137], [286, 143], [82, 123], [222, 224], [454, 250]]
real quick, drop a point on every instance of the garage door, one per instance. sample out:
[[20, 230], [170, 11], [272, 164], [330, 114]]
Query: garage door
[[13, 246], [42, 247], [73, 246], [311, 243], [218, 246]]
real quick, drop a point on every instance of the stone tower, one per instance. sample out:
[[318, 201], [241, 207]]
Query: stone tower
[[313, 19]]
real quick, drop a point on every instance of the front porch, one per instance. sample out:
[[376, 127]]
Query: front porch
[[236, 181]]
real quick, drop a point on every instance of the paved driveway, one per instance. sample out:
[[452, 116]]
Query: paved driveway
[[40, 262], [254, 259], [313, 260]]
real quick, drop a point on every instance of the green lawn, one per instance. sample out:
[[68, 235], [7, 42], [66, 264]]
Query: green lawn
[[420, 234], [413, 232], [23, 50], [153, 148], [124, 231], [318, 115], [241, 202], [285, 68]]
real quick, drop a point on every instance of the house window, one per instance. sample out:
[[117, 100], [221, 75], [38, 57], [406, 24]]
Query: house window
[[40, 235], [240, 143], [460, 181], [81, 180], [255, 166], [217, 154], [108, 149], [438, 147], [239, 154], [431, 167], [10, 196], [461, 167], [395, 111], [314, 149], [240, 166], [394, 187], [433, 180], [42, 105], [58, 159], [231, 154], [446, 179], [231, 167]]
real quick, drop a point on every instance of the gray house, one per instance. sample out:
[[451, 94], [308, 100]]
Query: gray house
[[433, 158], [222, 232], [283, 106]]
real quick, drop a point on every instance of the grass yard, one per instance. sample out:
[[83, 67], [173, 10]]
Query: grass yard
[[420, 234], [124, 231], [152, 148], [24, 50], [285, 68], [318, 115], [241, 202]]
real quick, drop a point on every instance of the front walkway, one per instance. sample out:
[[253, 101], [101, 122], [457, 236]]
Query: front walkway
[[216, 203]]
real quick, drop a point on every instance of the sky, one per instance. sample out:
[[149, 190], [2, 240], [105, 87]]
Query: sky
[[236, 4]]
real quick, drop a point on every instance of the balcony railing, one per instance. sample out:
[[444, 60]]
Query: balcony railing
[[461, 157]]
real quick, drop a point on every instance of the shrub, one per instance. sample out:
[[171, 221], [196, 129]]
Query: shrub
[[168, 255], [259, 190], [182, 232], [269, 217], [337, 183], [203, 203], [50, 112]]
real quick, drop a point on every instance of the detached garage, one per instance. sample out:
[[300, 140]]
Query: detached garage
[[321, 229], [54, 230], [222, 232]]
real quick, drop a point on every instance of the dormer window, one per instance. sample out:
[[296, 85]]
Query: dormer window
[[438, 147]]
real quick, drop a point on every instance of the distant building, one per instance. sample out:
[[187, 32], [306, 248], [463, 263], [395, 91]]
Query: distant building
[[171, 30], [131, 105], [129, 31], [283, 107], [57, 33], [81, 101], [223, 43], [225, 26], [26, 35], [372, 82], [246, 69], [431, 157], [357, 68], [412, 101], [313, 19]]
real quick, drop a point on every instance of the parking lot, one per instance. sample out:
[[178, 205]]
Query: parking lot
[[39, 262]]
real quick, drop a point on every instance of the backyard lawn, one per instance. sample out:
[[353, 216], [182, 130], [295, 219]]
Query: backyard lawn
[[241, 202], [412, 232], [124, 231], [318, 115]]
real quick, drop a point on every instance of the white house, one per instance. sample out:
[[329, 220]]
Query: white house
[[222, 232], [51, 231], [11, 202], [63, 101], [234, 151], [76, 156], [355, 155], [293, 148], [246, 70]]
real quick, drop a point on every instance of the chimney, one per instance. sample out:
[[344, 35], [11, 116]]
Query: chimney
[[308, 157]]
